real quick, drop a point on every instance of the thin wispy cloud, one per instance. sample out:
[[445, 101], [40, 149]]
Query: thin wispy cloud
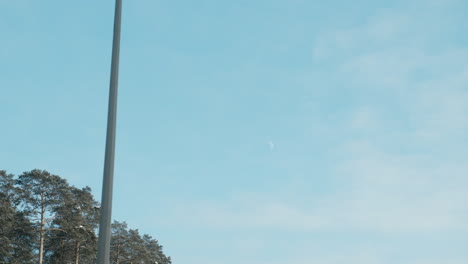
[[400, 178]]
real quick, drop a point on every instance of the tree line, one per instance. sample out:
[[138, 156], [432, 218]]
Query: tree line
[[43, 219]]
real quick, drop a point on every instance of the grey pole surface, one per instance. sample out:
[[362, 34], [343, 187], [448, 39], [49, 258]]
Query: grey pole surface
[[108, 180]]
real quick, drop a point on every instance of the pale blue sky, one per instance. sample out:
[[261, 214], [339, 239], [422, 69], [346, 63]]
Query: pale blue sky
[[364, 102]]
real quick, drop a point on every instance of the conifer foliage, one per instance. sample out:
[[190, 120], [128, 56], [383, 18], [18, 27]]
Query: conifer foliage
[[43, 219]]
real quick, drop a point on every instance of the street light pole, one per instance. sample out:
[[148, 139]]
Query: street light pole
[[108, 179]]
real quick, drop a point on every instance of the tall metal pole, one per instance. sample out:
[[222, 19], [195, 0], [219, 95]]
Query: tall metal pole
[[108, 180]]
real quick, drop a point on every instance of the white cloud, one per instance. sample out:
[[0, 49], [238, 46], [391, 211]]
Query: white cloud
[[407, 184], [364, 119], [387, 189], [383, 28], [385, 193]]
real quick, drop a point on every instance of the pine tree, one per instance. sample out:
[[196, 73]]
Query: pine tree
[[40, 192], [72, 237], [155, 251], [119, 239], [129, 247], [16, 232]]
